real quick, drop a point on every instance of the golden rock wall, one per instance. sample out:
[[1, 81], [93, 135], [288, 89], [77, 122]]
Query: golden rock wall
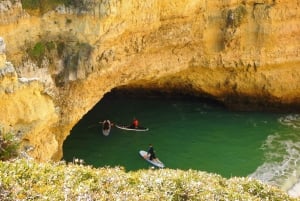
[[239, 52]]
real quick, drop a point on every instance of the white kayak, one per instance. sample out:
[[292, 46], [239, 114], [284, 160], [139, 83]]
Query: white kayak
[[106, 127], [156, 163], [129, 128]]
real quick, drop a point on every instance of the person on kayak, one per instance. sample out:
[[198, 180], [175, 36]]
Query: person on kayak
[[135, 123], [106, 124]]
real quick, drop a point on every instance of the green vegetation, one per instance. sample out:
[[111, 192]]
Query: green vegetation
[[30, 4], [28, 180], [42, 5], [68, 21], [50, 45], [9, 146], [39, 50], [37, 53]]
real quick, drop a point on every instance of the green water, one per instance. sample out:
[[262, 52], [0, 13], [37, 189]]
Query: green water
[[189, 134]]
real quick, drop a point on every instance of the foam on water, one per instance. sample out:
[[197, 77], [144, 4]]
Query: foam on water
[[292, 120], [282, 153]]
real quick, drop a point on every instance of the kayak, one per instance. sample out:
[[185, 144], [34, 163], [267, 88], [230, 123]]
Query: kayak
[[158, 163], [106, 126], [129, 128]]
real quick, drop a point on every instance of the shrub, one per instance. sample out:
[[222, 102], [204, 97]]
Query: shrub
[[9, 146], [50, 45], [37, 51], [28, 180], [42, 5], [30, 4]]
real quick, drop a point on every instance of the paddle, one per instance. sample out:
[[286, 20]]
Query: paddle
[[100, 122], [94, 125]]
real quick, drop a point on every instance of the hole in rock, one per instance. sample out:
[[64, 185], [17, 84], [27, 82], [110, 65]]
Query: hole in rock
[[186, 132]]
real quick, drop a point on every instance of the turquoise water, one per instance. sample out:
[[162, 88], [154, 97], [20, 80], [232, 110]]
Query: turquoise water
[[191, 134]]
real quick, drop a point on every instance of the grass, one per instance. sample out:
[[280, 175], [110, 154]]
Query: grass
[[29, 180]]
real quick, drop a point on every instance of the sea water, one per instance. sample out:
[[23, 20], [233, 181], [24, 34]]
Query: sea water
[[189, 133]]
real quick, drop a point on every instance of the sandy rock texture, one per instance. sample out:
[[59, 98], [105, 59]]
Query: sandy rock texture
[[56, 65]]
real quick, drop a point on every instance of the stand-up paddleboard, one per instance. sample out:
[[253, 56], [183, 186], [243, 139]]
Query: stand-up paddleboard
[[158, 163], [106, 126], [129, 128]]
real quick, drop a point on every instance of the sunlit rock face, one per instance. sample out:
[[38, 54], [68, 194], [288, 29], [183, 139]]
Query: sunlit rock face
[[62, 61]]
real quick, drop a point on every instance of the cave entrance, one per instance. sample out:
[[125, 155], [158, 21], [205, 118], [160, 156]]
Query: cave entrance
[[180, 128], [120, 106]]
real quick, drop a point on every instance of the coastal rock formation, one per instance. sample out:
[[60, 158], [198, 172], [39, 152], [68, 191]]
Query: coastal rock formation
[[63, 60]]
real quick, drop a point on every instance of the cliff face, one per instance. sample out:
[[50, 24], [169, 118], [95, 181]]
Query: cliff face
[[65, 60]]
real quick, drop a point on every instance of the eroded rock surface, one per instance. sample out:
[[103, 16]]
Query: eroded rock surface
[[56, 65]]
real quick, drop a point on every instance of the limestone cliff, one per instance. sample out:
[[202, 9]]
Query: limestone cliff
[[244, 52]]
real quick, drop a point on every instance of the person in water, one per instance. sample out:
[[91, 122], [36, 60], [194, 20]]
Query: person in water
[[135, 123]]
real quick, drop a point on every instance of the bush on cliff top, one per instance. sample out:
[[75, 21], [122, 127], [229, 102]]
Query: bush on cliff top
[[28, 180]]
